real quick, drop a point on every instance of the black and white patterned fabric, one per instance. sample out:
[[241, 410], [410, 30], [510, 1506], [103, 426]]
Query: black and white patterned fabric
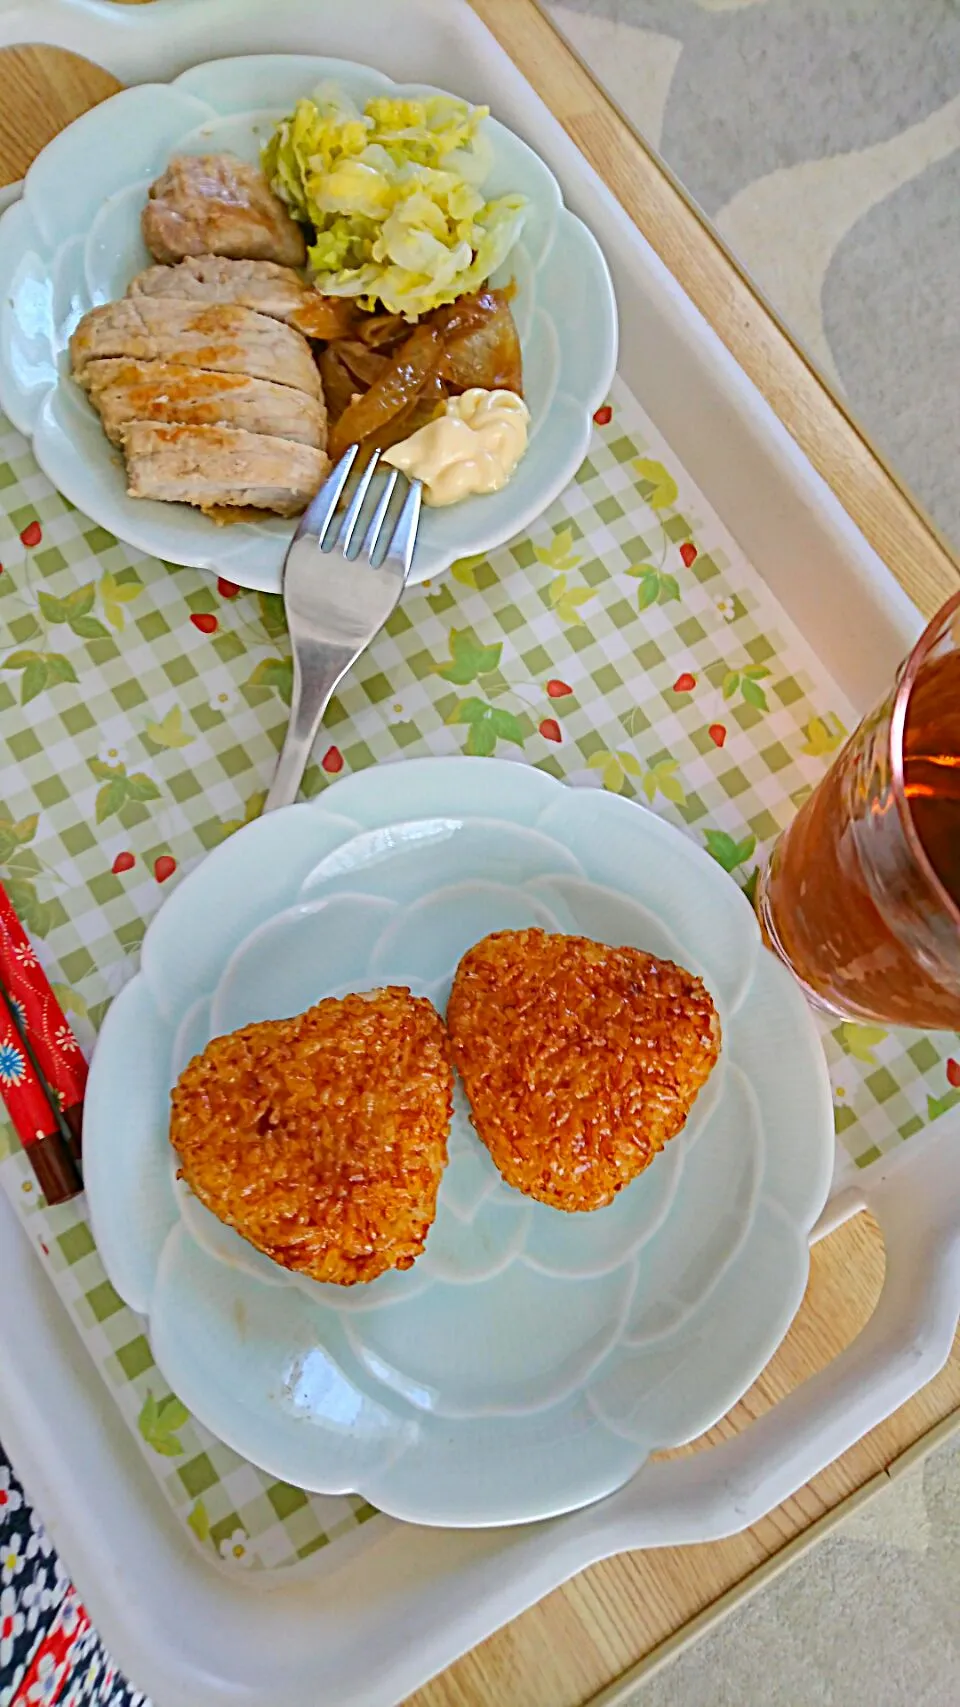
[[50, 1654]]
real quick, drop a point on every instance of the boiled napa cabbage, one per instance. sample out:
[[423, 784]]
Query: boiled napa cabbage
[[394, 194]]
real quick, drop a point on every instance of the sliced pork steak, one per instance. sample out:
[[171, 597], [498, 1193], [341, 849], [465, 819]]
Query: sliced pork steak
[[262, 285], [220, 337], [126, 391], [217, 467]]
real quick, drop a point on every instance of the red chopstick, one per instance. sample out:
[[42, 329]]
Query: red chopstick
[[34, 1116], [44, 1023]]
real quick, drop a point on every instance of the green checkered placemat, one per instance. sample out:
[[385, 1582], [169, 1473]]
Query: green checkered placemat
[[625, 644]]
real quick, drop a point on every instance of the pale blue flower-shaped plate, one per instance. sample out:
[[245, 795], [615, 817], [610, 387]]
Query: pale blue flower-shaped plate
[[530, 1360], [73, 241]]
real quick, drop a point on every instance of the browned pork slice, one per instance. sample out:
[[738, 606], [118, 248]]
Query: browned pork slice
[[126, 391], [216, 467], [273, 290], [221, 337], [215, 204]]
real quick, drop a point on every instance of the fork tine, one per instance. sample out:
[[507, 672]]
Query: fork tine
[[320, 510], [380, 513], [400, 550], [352, 517]]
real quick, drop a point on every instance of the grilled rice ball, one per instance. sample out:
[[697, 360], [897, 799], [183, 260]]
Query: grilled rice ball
[[580, 1061], [322, 1139]]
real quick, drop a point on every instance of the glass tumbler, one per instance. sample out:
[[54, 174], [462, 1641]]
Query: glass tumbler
[[861, 896]]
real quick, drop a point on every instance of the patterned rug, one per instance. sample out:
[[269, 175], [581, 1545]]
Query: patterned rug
[[822, 138], [869, 1618]]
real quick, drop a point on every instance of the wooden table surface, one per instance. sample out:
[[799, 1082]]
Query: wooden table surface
[[584, 1642]]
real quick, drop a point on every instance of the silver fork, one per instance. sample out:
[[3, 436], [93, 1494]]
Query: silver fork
[[337, 601]]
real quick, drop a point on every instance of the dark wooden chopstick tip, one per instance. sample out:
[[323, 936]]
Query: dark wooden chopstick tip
[[54, 1169], [73, 1121]]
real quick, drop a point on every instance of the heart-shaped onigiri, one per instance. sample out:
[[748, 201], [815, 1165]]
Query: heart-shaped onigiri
[[580, 1061], [322, 1139]]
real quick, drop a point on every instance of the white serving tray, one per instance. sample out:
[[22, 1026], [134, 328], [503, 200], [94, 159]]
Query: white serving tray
[[381, 1617]]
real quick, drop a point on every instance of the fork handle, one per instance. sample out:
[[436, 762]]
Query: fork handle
[[317, 671]]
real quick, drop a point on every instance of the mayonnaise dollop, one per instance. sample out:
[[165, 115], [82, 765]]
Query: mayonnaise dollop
[[474, 446]]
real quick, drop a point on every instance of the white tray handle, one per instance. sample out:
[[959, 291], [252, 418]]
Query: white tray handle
[[716, 1492]]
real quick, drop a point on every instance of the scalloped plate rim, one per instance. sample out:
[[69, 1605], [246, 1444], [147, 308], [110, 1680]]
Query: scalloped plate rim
[[521, 1506], [203, 545]]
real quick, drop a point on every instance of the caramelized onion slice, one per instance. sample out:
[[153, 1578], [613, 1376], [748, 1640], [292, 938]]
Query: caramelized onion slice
[[366, 365], [413, 417], [326, 317], [378, 330], [482, 346], [379, 390], [339, 386], [416, 361]]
